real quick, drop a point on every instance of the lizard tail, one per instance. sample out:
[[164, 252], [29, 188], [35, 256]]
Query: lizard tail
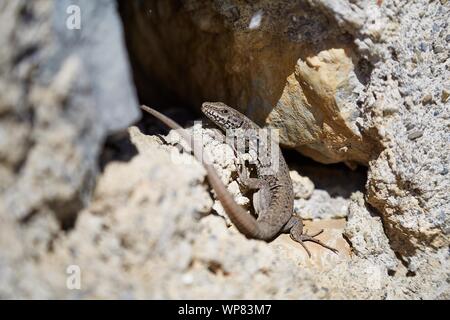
[[243, 220]]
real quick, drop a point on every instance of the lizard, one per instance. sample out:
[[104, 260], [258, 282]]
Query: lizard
[[273, 199]]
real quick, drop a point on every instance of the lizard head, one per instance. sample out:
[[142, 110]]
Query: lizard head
[[224, 116]]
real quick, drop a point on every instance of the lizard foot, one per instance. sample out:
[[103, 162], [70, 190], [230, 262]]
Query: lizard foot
[[301, 237]]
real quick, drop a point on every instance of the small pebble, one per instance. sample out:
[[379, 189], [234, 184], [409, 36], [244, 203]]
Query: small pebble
[[415, 134], [436, 27], [409, 126], [423, 47], [409, 103], [428, 98], [447, 38], [445, 95], [392, 109], [438, 49], [444, 171]]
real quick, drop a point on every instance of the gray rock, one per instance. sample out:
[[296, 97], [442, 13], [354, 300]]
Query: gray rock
[[66, 90], [327, 73]]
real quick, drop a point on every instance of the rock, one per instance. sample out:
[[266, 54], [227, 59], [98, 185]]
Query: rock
[[365, 232], [428, 98], [328, 74], [62, 96], [415, 134], [321, 206], [445, 95], [303, 186], [309, 75], [324, 76], [141, 238], [404, 184], [63, 92], [146, 235]]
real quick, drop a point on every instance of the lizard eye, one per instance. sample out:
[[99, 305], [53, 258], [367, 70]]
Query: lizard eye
[[225, 111]]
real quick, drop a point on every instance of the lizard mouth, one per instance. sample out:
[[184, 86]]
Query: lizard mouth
[[214, 118], [208, 111], [210, 114]]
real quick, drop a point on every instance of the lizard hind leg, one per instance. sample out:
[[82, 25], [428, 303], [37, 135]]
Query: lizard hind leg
[[295, 227]]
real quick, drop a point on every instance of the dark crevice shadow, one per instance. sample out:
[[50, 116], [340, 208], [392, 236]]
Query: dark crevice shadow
[[117, 147], [337, 179], [184, 116], [363, 70]]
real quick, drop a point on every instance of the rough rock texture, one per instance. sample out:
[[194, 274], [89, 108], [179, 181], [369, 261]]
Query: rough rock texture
[[133, 242], [345, 81], [60, 98], [62, 92], [409, 181]]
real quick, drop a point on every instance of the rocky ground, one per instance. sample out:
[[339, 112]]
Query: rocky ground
[[91, 191]]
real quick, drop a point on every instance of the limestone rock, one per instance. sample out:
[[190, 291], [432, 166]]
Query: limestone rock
[[321, 205], [360, 82], [63, 92], [60, 99], [408, 182], [365, 232], [303, 186], [297, 69]]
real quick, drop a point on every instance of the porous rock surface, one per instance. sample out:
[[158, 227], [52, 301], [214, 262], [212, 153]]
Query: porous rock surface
[[346, 81]]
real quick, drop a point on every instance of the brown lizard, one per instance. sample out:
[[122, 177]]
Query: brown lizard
[[274, 199]]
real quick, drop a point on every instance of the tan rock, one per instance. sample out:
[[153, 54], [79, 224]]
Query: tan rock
[[278, 73]]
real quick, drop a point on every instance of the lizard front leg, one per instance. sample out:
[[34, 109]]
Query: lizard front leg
[[295, 228]]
